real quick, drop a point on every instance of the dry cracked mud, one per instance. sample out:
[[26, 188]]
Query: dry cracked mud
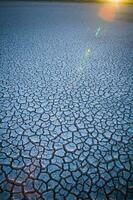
[[66, 94]]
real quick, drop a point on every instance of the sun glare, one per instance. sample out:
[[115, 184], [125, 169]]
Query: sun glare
[[115, 1]]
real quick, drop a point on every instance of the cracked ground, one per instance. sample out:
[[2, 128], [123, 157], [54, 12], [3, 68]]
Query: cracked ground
[[66, 94]]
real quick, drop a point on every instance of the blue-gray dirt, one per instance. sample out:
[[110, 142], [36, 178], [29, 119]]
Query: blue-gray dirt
[[66, 95]]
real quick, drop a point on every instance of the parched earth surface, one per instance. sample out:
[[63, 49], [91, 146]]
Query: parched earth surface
[[66, 94]]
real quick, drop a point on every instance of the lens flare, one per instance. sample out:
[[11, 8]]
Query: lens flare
[[87, 52], [107, 13], [98, 31]]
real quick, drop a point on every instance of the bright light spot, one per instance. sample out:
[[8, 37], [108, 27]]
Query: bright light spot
[[88, 52], [116, 1]]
